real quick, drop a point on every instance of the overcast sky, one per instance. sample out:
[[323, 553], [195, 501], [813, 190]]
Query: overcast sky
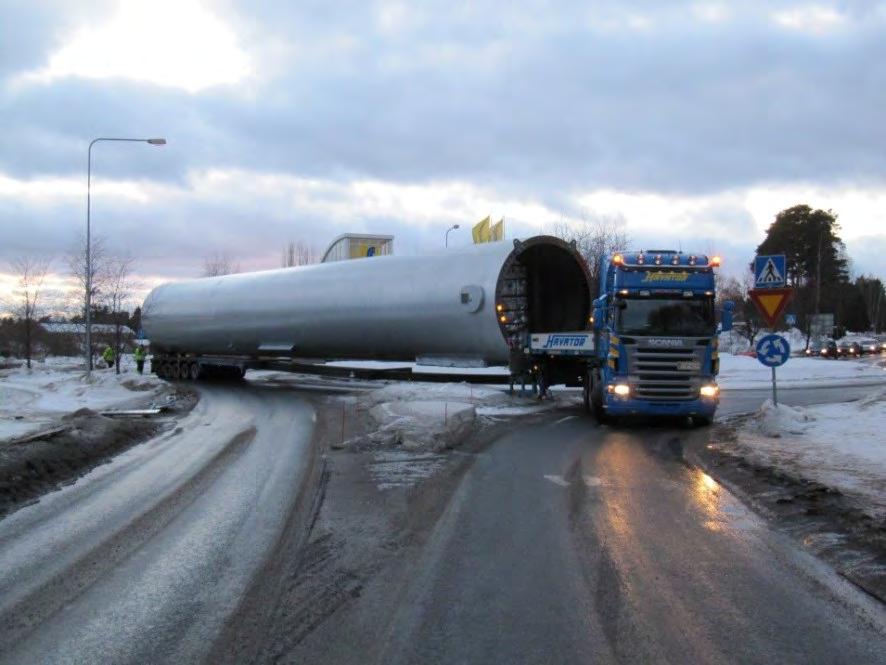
[[693, 124]]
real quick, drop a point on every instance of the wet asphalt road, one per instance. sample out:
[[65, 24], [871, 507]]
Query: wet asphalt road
[[563, 542], [570, 543], [144, 559]]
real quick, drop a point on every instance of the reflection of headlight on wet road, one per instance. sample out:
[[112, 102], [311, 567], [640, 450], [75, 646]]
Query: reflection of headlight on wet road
[[711, 390]]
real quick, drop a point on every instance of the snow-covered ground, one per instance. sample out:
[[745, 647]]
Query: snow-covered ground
[[736, 371], [433, 416], [839, 445], [33, 399], [420, 369], [747, 372]]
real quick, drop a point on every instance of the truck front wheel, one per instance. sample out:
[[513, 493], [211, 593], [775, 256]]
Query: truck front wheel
[[596, 401]]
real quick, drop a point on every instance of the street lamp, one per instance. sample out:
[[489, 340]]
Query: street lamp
[[157, 141], [451, 228]]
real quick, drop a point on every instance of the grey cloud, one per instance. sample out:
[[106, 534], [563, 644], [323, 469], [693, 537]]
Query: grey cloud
[[537, 102]]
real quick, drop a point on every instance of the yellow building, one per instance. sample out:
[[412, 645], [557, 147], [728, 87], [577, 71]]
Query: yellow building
[[358, 246]]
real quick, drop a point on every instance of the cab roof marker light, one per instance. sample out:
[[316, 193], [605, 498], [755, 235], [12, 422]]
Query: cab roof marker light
[[641, 259], [715, 261], [693, 260], [658, 259], [618, 259], [676, 260]]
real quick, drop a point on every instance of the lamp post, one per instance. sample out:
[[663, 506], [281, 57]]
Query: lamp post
[[451, 228], [157, 141]]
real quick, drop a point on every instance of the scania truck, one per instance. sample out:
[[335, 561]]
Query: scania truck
[[655, 337]]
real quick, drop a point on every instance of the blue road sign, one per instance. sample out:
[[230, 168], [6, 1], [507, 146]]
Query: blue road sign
[[790, 319], [769, 271], [773, 350]]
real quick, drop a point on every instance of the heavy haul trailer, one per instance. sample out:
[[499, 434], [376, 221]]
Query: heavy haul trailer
[[482, 303], [655, 335]]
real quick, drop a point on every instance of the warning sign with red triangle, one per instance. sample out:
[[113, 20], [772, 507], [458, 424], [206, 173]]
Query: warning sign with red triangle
[[771, 303]]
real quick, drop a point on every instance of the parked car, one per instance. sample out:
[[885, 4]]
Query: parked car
[[814, 348], [828, 349], [869, 346], [849, 349]]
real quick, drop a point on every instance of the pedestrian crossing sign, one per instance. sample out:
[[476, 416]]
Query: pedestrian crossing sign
[[769, 271]]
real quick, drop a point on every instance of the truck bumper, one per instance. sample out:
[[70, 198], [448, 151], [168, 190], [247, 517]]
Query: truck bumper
[[629, 407]]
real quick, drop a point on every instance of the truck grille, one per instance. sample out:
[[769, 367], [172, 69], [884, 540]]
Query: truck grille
[[657, 374]]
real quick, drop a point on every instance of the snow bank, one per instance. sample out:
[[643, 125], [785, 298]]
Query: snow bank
[[773, 421], [30, 399], [747, 372], [435, 416], [423, 424], [838, 445]]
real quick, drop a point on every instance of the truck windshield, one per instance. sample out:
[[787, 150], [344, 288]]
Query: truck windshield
[[659, 316]]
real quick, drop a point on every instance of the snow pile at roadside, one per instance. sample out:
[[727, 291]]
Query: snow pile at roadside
[[435, 416], [747, 372], [838, 445], [31, 399], [773, 421]]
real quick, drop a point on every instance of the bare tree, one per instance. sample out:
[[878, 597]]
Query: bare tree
[[748, 322], [219, 263], [594, 239], [25, 302], [118, 292], [97, 279], [299, 253]]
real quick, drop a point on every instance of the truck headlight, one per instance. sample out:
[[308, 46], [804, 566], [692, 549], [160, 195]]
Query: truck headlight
[[620, 389], [710, 390]]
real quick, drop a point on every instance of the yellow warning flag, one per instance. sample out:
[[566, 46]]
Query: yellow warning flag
[[481, 231], [497, 230]]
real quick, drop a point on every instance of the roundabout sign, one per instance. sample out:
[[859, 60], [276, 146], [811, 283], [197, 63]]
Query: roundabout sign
[[773, 351]]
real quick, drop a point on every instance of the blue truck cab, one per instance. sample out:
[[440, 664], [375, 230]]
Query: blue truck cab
[[655, 337]]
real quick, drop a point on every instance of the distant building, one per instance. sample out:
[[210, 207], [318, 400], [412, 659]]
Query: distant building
[[358, 246]]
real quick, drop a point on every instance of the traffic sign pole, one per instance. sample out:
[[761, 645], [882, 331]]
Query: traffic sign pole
[[773, 351], [774, 389]]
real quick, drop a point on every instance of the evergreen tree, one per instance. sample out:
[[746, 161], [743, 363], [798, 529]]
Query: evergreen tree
[[815, 258]]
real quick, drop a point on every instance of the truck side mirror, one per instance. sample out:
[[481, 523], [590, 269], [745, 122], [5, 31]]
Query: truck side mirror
[[726, 316]]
